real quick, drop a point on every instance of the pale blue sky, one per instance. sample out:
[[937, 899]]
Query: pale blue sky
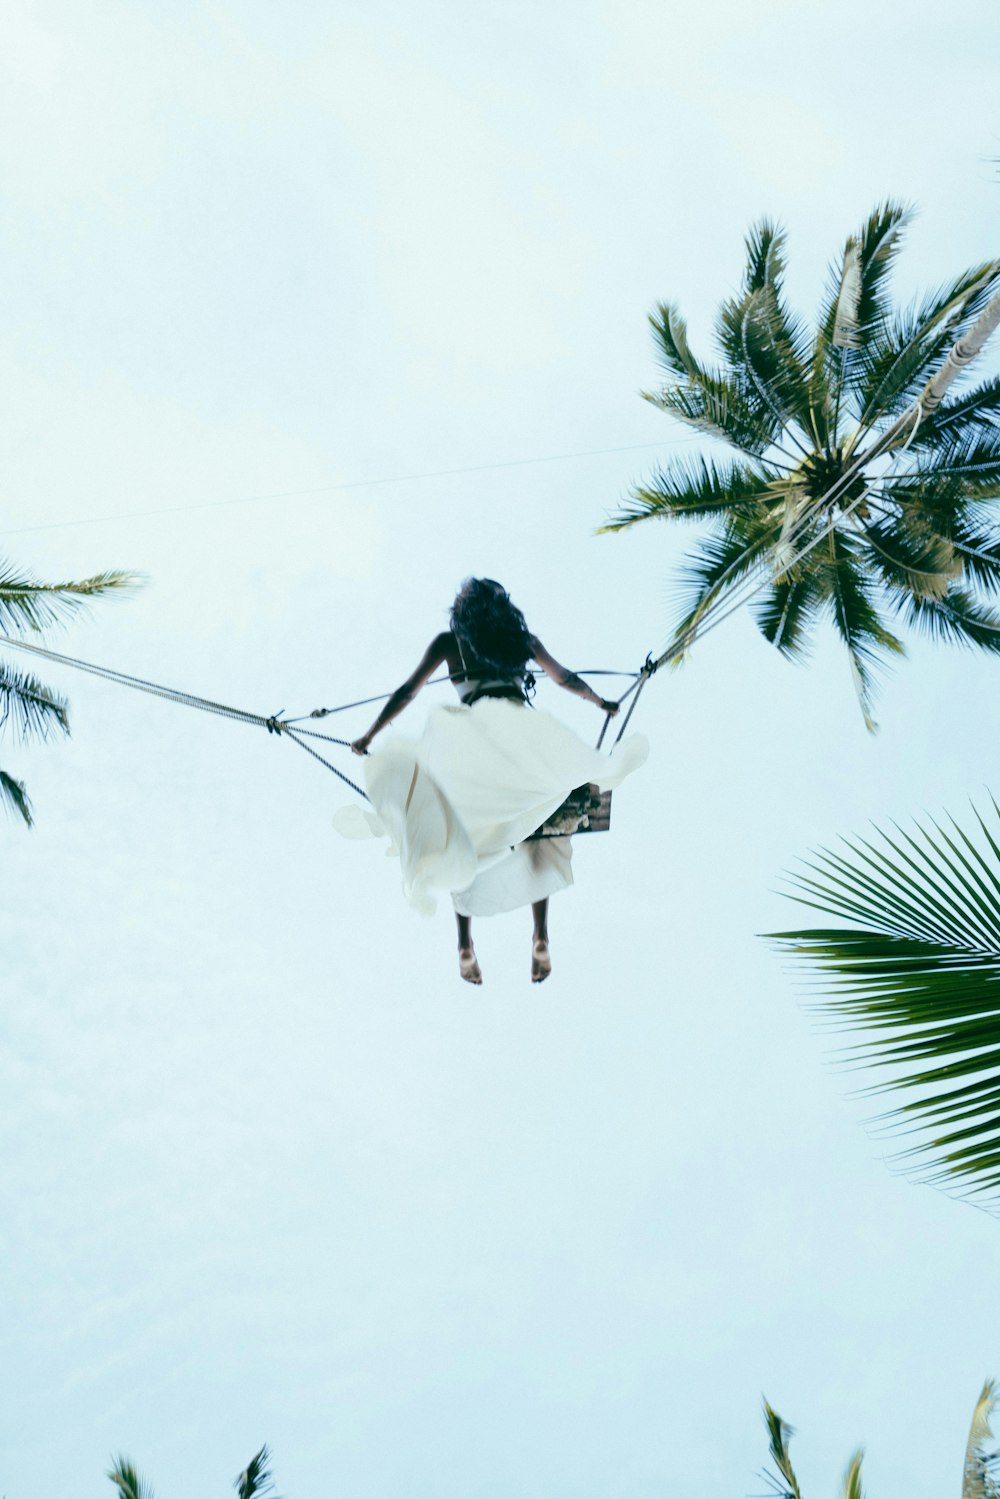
[[268, 1171]]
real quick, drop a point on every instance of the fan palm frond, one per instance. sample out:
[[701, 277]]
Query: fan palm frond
[[917, 974], [14, 798]]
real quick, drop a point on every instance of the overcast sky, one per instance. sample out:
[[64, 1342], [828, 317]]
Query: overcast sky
[[268, 1170]]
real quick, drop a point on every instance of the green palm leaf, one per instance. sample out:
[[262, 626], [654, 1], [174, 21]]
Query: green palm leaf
[[857, 620], [26, 603], [693, 491], [719, 408], [14, 798], [913, 345], [34, 709], [779, 1434], [128, 1482], [786, 611], [255, 1480], [917, 975], [957, 619]]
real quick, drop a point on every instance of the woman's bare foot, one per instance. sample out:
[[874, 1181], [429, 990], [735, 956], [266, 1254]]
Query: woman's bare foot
[[468, 965], [541, 963]]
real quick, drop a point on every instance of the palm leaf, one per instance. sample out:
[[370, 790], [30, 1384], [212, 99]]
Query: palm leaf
[[857, 620], [911, 559], [671, 339], [255, 1480], [851, 1486], [35, 710], [779, 1435], [786, 612], [718, 407], [721, 561], [977, 408], [978, 1480], [128, 1482], [14, 798], [917, 974], [958, 619], [892, 372], [691, 490], [26, 603]]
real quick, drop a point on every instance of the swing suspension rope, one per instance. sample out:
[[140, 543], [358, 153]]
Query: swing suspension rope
[[774, 561]]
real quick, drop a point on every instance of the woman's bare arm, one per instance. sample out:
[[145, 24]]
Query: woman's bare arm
[[434, 656], [563, 677]]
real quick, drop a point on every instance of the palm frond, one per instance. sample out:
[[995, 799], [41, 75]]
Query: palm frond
[[14, 798], [691, 490], [902, 357], [958, 619], [851, 1486], [34, 709], [858, 623], [25, 603], [255, 1480], [721, 561], [846, 332], [979, 1469], [977, 408], [765, 256], [968, 455], [718, 407], [779, 1434], [127, 1481], [918, 976], [771, 363], [879, 240], [910, 559], [671, 339], [786, 612]]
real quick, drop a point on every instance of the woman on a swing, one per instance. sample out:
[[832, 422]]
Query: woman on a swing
[[458, 803]]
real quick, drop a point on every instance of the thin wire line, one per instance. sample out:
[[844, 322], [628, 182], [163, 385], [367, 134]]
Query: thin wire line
[[291, 494]]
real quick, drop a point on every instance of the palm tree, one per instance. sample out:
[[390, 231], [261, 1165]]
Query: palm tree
[[895, 513], [978, 1469], [918, 975], [253, 1483], [25, 703]]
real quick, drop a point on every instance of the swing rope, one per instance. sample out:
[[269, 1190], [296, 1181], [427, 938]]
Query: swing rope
[[273, 723]]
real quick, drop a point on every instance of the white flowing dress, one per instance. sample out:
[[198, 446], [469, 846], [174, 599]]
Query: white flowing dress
[[457, 804]]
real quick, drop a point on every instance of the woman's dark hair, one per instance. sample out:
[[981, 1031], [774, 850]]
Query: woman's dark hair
[[490, 629]]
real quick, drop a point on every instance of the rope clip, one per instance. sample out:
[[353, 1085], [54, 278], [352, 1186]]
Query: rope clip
[[274, 724]]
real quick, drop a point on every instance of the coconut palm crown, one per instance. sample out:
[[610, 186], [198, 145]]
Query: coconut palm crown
[[27, 706], [912, 533]]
